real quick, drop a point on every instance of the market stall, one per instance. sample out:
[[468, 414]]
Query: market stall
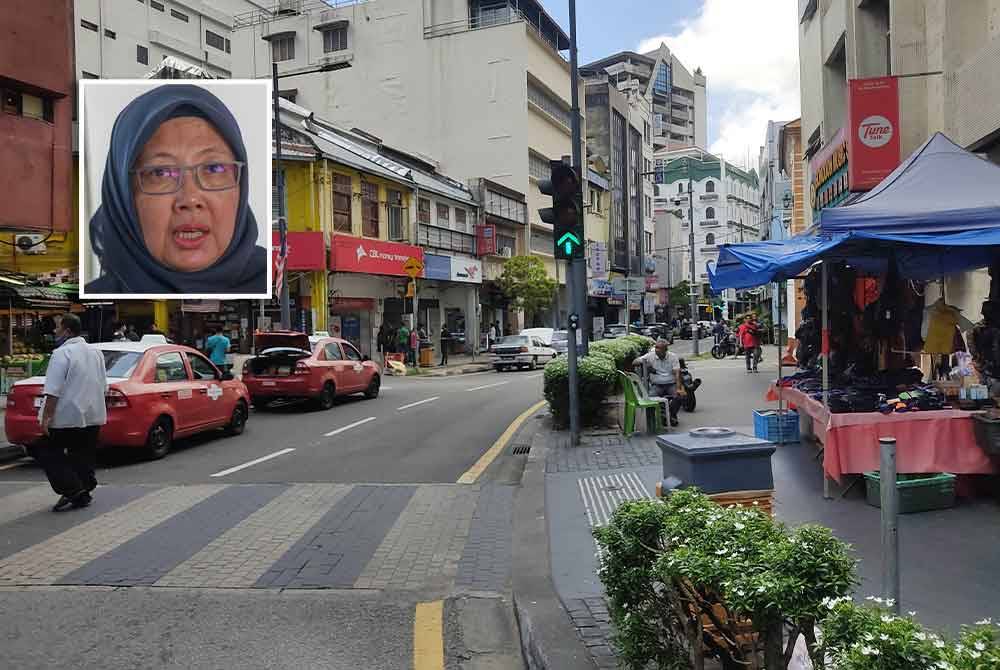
[[867, 325], [27, 321]]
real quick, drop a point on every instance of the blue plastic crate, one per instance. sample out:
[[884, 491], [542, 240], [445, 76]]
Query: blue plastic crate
[[766, 424]]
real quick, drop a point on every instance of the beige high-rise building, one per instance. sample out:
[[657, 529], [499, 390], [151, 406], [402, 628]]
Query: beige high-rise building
[[947, 55]]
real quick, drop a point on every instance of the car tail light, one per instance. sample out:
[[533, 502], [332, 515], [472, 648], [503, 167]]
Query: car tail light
[[10, 400], [301, 368], [115, 398], [246, 368], [523, 350]]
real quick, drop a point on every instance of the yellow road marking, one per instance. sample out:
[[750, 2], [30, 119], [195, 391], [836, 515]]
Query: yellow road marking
[[428, 636], [473, 473]]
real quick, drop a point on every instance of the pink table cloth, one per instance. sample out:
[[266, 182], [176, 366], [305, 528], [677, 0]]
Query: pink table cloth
[[931, 441]]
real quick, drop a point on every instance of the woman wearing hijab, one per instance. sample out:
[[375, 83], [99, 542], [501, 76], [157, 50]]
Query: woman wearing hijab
[[174, 214]]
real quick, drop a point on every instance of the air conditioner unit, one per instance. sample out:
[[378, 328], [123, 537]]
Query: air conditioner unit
[[30, 244], [505, 252]]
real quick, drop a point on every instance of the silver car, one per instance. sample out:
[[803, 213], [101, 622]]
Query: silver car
[[560, 341]]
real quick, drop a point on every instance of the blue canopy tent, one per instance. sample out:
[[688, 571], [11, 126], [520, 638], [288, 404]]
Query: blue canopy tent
[[936, 214]]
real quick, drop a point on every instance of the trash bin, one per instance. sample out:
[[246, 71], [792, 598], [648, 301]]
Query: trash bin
[[426, 355], [716, 460]]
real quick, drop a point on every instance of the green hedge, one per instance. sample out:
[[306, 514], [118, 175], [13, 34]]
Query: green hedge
[[623, 350], [597, 380]]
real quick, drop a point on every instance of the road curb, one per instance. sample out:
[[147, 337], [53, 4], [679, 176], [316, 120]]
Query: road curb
[[549, 640]]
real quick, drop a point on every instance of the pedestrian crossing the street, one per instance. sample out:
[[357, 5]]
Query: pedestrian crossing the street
[[438, 538]]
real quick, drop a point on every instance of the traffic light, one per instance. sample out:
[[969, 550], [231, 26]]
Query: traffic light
[[565, 214]]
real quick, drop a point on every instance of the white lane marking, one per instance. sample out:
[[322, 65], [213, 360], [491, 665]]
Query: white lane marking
[[253, 462], [419, 402], [348, 427], [488, 386], [386, 388], [535, 376]]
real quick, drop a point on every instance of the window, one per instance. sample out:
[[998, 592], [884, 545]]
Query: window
[[556, 108], [201, 368], [680, 187], [506, 207], [120, 364], [649, 243], [341, 203], [217, 41], [645, 131], [88, 75], [395, 210], [276, 191], [158, 6], [443, 215], [88, 25], [710, 239], [662, 83], [283, 48], [26, 105], [424, 211], [12, 102], [335, 39], [141, 54], [460, 220], [649, 206], [538, 166], [110, 34], [351, 353], [710, 212], [170, 368], [332, 352], [369, 209], [506, 242], [180, 16], [710, 186]]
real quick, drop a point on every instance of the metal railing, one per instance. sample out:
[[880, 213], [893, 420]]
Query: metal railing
[[506, 16], [281, 9]]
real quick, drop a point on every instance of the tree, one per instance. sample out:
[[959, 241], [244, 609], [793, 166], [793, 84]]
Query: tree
[[527, 285], [681, 294]]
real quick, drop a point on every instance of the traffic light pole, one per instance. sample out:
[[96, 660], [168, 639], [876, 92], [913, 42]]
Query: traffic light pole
[[576, 278], [285, 301], [695, 330]]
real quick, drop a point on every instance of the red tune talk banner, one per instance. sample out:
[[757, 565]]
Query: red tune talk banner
[[873, 122]]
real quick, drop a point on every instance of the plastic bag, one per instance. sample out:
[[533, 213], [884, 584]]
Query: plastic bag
[[800, 656]]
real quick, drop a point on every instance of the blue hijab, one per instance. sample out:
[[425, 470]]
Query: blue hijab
[[115, 235]]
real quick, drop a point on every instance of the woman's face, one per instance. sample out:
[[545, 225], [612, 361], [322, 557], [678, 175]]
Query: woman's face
[[188, 230]]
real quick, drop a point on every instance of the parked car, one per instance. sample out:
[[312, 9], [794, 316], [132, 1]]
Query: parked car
[[289, 367], [615, 331], [156, 394], [560, 341], [544, 334], [521, 351]]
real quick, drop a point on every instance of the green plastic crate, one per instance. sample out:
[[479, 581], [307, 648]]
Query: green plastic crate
[[917, 493]]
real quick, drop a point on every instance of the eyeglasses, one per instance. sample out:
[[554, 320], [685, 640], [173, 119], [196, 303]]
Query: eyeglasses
[[167, 179]]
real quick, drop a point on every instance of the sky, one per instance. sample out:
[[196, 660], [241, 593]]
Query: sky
[[747, 49]]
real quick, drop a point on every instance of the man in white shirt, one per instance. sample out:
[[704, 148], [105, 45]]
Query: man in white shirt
[[664, 370], [72, 415]]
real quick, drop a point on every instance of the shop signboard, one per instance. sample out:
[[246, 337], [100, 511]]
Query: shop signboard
[[829, 168], [466, 270], [486, 240], [599, 260], [306, 250], [353, 254], [437, 267], [600, 288], [873, 119]]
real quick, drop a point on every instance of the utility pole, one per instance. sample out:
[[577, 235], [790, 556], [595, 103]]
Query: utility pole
[[576, 276], [286, 319], [694, 290]]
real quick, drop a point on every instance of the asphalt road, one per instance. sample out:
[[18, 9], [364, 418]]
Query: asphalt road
[[317, 539]]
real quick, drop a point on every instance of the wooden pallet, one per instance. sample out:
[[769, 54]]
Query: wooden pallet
[[763, 498]]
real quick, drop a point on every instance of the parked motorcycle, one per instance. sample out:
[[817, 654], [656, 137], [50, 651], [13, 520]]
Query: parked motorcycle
[[727, 347], [691, 384]]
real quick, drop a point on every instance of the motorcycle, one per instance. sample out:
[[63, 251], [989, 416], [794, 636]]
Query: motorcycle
[[727, 347], [691, 384]]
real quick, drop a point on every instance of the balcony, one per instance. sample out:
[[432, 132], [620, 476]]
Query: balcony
[[446, 239], [525, 11], [710, 223], [709, 196]]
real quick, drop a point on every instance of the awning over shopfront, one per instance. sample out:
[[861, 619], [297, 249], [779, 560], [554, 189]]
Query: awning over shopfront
[[35, 297], [938, 213]]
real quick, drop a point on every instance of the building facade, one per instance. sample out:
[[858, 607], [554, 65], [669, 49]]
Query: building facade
[[478, 89], [726, 209], [679, 111], [947, 55], [777, 200]]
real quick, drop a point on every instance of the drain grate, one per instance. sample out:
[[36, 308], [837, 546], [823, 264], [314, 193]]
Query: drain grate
[[521, 449]]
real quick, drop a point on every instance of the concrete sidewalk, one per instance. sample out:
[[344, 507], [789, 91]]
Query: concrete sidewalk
[[947, 557]]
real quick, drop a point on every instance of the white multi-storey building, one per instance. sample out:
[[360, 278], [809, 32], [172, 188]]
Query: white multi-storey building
[[480, 89]]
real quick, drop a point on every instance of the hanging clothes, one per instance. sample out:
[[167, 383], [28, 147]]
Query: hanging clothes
[[938, 329]]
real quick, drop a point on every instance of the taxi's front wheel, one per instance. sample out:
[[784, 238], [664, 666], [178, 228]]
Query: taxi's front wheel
[[238, 421], [159, 439]]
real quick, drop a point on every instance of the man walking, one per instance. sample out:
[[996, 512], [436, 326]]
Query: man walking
[[217, 346], [415, 345], [664, 370], [445, 343], [403, 342], [749, 336], [72, 414]]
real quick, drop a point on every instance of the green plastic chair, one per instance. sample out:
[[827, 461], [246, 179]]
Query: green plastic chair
[[636, 398]]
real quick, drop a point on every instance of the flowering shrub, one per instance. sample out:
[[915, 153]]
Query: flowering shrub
[[870, 637], [596, 380]]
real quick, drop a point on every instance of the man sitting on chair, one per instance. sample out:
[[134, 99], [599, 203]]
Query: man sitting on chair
[[662, 370]]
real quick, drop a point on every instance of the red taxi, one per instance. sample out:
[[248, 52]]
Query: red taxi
[[290, 367], [156, 393]]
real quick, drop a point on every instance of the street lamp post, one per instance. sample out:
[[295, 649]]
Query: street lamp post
[[694, 291], [284, 299]]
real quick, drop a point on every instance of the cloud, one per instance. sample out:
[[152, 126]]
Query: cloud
[[749, 54]]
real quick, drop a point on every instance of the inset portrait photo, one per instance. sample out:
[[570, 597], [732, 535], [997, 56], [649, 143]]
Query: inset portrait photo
[[175, 189]]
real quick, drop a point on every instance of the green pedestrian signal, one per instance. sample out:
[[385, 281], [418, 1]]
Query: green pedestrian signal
[[566, 214]]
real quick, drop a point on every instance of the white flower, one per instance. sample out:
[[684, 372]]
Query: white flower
[[740, 526], [921, 636], [721, 552], [887, 619], [883, 637], [980, 646], [868, 637], [939, 644], [868, 651], [889, 602], [943, 665], [912, 613], [974, 654], [985, 622]]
